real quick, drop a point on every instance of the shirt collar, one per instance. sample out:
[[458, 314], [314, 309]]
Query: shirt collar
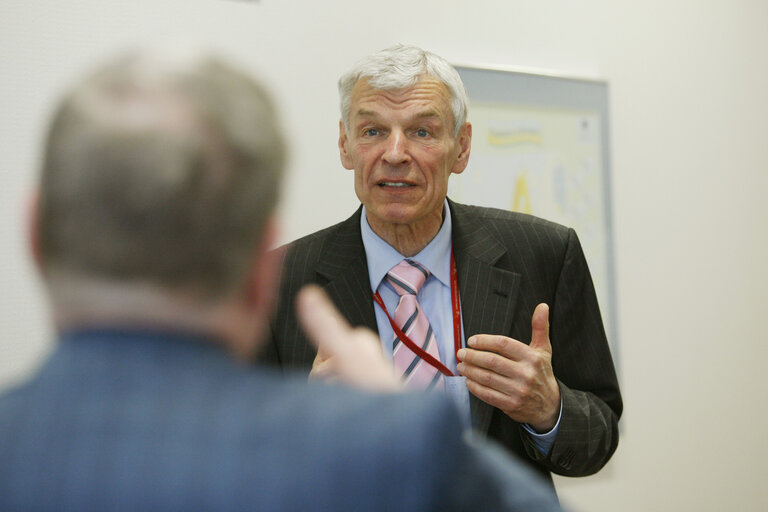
[[381, 256]]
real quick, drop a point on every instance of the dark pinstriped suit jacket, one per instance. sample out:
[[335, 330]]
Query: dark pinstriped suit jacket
[[507, 264]]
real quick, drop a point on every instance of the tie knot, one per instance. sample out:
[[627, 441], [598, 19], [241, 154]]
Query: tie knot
[[407, 277]]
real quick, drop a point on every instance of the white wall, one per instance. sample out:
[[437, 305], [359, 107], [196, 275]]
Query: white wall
[[689, 113]]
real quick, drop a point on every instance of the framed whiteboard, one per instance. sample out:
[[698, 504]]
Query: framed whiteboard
[[540, 145]]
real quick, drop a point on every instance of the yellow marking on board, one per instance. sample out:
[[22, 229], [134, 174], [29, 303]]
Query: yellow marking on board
[[522, 199], [513, 139]]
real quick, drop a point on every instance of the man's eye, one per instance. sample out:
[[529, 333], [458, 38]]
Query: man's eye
[[421, 132], [371, 132]]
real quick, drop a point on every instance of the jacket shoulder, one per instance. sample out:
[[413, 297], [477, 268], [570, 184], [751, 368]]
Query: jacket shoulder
[[514, 230], [497, 216], [311, 246]]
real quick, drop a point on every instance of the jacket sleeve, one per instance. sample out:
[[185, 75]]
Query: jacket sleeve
[[588, 433]]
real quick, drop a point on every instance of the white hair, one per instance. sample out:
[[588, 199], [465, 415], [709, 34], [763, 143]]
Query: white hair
[[402, 66]]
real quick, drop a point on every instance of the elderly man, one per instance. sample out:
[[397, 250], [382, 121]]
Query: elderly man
[[154, 218], [464, 298]]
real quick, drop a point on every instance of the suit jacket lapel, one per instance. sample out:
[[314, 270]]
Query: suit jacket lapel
[[488, 292], [343, 265]]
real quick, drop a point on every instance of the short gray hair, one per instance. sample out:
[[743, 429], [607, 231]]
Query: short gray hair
[[402, 66], [161, 175]]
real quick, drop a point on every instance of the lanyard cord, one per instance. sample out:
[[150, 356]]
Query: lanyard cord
[[456, 306]]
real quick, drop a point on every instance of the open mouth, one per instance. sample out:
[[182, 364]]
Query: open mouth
[[396, 184]]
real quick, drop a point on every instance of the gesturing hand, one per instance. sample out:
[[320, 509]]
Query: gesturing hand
[[352, 355], [515, 377]]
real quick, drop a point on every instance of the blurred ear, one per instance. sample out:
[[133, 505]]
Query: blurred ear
[[33, 228], [255, 305], [463, 148], [265, 272], [346, 159]]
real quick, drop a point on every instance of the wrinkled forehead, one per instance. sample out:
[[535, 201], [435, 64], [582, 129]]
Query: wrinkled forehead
[[428, 96]]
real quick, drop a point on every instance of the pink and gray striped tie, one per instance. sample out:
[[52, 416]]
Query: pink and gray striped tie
[[407, 277]]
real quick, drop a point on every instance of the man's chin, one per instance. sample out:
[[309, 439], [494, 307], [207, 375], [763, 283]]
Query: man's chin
[[392, 214]]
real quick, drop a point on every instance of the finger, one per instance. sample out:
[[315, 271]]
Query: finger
[[502, 401], [321, 357], [487, 378], [322, 353], [488, 361], [321, 369], [321, 321], [540, 328], [509, 348]]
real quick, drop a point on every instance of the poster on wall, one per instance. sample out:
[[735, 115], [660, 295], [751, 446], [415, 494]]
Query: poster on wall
[[540, 146]]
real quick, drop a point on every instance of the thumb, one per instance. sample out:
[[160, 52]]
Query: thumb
[[540, 328]]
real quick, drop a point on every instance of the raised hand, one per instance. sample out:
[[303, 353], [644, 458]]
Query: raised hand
[[515, 377], [351, 355]]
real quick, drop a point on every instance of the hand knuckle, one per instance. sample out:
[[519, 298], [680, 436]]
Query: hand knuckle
[[500, 343], [494, 363], [512, 403], [483, 377], [529, 377]]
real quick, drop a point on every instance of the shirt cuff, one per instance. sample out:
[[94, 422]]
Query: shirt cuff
[[545, 441]]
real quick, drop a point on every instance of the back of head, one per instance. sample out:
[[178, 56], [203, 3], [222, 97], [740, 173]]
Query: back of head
[[159, 172], [402, 66]]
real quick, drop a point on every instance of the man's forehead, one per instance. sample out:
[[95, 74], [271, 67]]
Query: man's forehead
[[421, 114], [428, 97]]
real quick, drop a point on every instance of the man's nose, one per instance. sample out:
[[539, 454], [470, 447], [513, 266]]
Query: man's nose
[[396, 152]]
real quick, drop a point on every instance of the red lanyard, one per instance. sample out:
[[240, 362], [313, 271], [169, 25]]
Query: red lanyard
[[456, 305]]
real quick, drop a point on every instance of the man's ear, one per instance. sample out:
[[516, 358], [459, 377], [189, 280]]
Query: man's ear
[[463, 148], [346, 159], [33, 229], [244, 325], [264, 275]]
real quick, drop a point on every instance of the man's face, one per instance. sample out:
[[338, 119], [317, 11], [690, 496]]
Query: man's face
[[402, 148]]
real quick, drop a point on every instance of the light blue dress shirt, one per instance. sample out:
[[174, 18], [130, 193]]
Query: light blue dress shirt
[[434, 298]]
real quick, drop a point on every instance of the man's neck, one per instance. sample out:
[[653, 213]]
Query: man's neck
[[408, 239], [83, 302]]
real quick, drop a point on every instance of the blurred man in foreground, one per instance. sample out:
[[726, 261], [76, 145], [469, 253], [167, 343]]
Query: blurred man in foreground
[[151, 231]]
